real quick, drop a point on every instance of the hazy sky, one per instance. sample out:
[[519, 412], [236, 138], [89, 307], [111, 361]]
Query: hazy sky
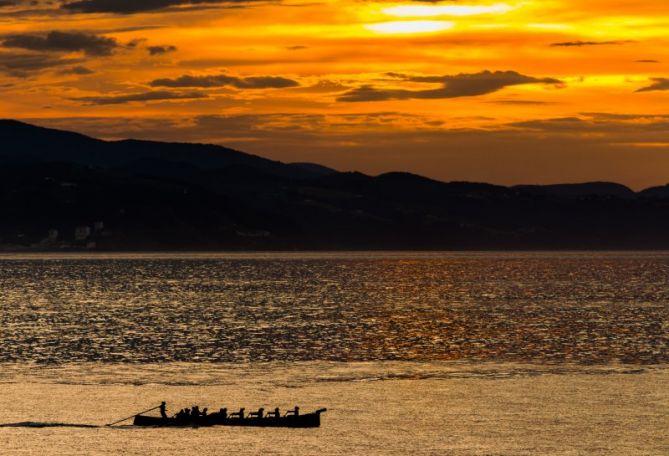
[[532, 91]]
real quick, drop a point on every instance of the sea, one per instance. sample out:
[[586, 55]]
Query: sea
[[412, 353]]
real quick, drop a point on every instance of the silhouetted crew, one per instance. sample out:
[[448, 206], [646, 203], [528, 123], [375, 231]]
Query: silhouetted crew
[[240, 414], [257, 414], [294, 412], [204, 411], [163, 410], [275, 413], [195, 412], [223, 413]]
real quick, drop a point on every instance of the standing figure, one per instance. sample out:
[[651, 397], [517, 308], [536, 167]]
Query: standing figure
[[163, 410]]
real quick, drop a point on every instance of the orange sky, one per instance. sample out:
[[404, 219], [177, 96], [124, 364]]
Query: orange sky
[[499, 91]]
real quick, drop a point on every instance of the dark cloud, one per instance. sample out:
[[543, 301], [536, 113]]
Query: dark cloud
[[647, 61], [56, 41], [159, 50], [25, 65], [78, 70], [591, 43], [132, 44], [220, 80], [140, 97], [658, 84], [461, 85], [140, 6]]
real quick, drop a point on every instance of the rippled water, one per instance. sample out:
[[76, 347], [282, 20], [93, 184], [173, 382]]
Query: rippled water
[[426, 354], [520, 308]]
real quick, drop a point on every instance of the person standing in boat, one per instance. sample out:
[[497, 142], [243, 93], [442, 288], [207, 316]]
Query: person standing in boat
[[163, 410]]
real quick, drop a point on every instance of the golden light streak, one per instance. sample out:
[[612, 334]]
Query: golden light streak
[[405, 27], [446, 10]]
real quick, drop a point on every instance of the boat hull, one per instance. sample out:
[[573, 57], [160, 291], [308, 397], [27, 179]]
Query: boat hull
[[308, 420]]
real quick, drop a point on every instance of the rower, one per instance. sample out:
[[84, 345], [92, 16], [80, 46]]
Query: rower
[[163, 408], [275, 413], [223, 413], [240, 414], [195, 412], [257, 414], [294, 412]]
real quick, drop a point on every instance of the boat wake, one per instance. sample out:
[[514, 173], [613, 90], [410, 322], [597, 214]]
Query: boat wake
[[36, 424]]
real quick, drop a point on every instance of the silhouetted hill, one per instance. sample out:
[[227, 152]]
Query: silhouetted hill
[[656, 192], [313, 168], [61, 190], [579, 190], [24, 143]]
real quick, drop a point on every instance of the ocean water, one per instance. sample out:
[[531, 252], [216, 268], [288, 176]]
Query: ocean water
[[412, 353]]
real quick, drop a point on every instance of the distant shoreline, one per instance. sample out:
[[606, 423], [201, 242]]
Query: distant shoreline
[[65, 192]]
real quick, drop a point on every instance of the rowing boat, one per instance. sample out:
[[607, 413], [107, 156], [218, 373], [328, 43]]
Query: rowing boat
[[307, 420]]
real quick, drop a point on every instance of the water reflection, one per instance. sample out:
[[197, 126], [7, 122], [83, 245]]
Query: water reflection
[[514, 308]]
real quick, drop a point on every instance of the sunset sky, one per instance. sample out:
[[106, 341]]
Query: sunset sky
[[535, 91]]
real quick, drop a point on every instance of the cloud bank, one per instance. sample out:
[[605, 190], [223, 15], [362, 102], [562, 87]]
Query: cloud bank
[[222, 80], [57, 41], [461, 85]]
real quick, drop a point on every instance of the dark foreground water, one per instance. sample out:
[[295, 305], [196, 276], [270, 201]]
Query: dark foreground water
[[463, 354]]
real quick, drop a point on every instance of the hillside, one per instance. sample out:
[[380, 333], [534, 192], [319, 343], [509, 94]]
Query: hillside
[[61, 190]]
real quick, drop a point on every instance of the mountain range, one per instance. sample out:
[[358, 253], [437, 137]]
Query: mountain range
[[63, 190]]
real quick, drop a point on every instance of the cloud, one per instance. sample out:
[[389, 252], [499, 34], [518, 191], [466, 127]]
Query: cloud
[[608, 125], [460, 85], [630, 149], [658, 84], [24, 65], [143, 96], [253, 82], [79, 70], [522, 102], [132, 44], [140, 6], [159, 50], [56, 41], [591, 43], [647, 61]]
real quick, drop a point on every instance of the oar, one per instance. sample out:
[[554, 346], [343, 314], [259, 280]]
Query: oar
[[132, 416]]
